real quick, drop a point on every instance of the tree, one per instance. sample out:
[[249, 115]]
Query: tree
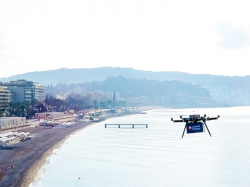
[[41, 107]]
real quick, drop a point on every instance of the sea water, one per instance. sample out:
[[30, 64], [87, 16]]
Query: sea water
[[155, 156]]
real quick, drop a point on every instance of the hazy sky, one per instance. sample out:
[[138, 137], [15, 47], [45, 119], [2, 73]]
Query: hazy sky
[[195, 36]]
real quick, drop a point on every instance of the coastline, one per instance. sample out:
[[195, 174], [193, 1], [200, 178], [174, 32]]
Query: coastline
[[29, 156], [32, 173], [30, 163]]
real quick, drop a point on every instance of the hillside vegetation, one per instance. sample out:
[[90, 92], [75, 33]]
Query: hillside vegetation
[[169, 93], [224, 89]]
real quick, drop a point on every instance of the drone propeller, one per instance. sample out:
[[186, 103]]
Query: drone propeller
[[212, 118], [176, 120]]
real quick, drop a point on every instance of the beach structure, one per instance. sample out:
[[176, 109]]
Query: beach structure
[[132, 125], [12, 122], [11, 138], [65, 125], [49, 115], [50, 124], [22, 135]]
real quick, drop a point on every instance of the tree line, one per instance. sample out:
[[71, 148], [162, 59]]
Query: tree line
[[53, 104]]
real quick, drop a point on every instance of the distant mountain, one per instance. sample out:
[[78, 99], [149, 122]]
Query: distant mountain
[[69, 76], [224, 89]]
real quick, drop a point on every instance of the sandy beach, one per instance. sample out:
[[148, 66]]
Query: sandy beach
[[28, 157]]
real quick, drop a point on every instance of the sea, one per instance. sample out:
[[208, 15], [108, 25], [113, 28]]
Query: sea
[[156, 156]]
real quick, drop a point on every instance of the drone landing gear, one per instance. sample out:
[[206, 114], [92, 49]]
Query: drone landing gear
[[184, 130], [207, 129]]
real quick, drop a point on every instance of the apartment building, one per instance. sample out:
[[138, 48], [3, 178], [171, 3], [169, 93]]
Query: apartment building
[[4, 97], [25, 91]]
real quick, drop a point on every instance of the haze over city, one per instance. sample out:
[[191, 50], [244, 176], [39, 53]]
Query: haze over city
[[135, 93], [194, 36]]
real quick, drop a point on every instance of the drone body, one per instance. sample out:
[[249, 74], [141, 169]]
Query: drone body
[[195, 123]]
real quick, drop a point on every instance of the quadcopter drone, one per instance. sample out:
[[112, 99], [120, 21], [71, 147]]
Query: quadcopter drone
[[195, 123]]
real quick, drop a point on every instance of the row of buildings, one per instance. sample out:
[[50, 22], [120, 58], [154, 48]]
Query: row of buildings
[[20, 91]]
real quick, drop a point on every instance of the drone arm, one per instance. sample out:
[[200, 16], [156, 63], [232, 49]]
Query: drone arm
[[212, 118], [177, 120]]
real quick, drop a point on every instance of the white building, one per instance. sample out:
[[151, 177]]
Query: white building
[[25, 91], [11, 122], [4, 97], [49, 115]]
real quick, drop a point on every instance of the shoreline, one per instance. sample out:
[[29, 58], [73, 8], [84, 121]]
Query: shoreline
[[39, 151], [41, 163], [29, 156], [32, 174]]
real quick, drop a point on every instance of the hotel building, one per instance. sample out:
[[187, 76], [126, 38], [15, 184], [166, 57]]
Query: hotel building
[[4, 97], [25, 91]]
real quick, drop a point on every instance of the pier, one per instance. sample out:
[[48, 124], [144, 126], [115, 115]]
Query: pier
[[133, 125]]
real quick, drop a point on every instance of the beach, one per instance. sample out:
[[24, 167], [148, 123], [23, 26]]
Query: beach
[[157, 155], [28, 157]]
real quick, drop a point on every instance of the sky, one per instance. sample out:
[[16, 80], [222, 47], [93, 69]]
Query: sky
[[211, 37]]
